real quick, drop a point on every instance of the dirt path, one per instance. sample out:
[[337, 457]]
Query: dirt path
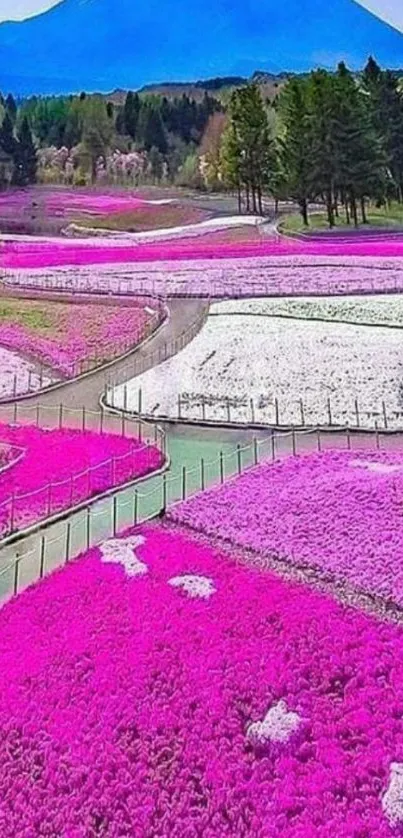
[[86, 392]]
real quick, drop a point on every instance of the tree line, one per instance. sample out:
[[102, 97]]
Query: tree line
[[334, 137], [330, 137], [168, 130]]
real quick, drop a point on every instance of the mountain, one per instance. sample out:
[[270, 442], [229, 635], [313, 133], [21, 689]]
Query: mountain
[[104, 44]]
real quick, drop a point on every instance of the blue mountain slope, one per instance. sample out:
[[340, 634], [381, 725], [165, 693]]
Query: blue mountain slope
[[102, 44]]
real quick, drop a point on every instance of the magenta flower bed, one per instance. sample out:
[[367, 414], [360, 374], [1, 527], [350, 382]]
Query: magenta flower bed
[[339, 511], [60, 468], [37, 254], [126, 703], [70, 334], [67, 201]]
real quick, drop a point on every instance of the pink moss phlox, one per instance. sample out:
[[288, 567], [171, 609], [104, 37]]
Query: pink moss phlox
[[339, 511], [124, 705]]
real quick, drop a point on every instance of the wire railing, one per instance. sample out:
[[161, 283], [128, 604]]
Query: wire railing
[[277, 279], [21, 509], [100, 520], [44, 376], [265, 411]]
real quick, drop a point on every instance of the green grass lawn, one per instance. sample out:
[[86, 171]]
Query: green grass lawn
[[391, 216]]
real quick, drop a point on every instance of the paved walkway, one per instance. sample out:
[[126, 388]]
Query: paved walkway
[[87, 391]]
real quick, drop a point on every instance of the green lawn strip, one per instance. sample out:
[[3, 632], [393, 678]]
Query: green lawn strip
[[392, 217]]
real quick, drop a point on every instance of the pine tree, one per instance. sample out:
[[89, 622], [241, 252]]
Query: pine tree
[[130, 114], [25, 161], [295, 145], [7, 138], [11, 107], [249, 155]]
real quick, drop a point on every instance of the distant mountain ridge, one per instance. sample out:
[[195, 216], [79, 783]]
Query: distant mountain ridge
[[105, 44]]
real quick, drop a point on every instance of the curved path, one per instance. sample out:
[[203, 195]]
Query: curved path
[[86, 391]]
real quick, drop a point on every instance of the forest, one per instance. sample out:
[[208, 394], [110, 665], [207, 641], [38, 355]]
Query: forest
[[329, 137]]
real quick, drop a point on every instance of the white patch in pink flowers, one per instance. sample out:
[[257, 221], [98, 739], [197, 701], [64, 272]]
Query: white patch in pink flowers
[[380, 468], [123, 551], [277, 726], [194, 586], [392, 800]]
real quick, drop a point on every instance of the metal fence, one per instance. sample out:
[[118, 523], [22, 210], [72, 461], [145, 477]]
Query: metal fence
[[21, 509], [141, 363], [272, 280], [66, 539], [263, 411], [43, 376]]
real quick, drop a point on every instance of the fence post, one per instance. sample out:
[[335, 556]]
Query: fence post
[[239, 458], [252, 411], [273, 445], [37, 415], [60, 416], [203, 405], [202, 483], [228, 411], [357, 413], [29, 380], [294, 445], [83, 421], [88, 526], [183, 482], [385, 418], [17, 565], [114, 515], [136, 506], [221, 467], [12, 516], [15, 413], [318, 439], [255, 451], [377, 434], [329, 411], [68, 541], [164, 491], [276, 413], [42, 557], [348, 438]]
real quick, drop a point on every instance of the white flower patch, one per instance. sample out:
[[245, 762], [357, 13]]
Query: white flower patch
[[18, 374], [195, 586], [123, 551], [277, 726], [379, 468], [374, 309], [392, 800], [276, 371]]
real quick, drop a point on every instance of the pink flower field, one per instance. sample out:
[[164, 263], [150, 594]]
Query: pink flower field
[[67, 336], [36, 254], [64, 201], [56, 469], [156, 688], [258, 276], [337, 511]]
